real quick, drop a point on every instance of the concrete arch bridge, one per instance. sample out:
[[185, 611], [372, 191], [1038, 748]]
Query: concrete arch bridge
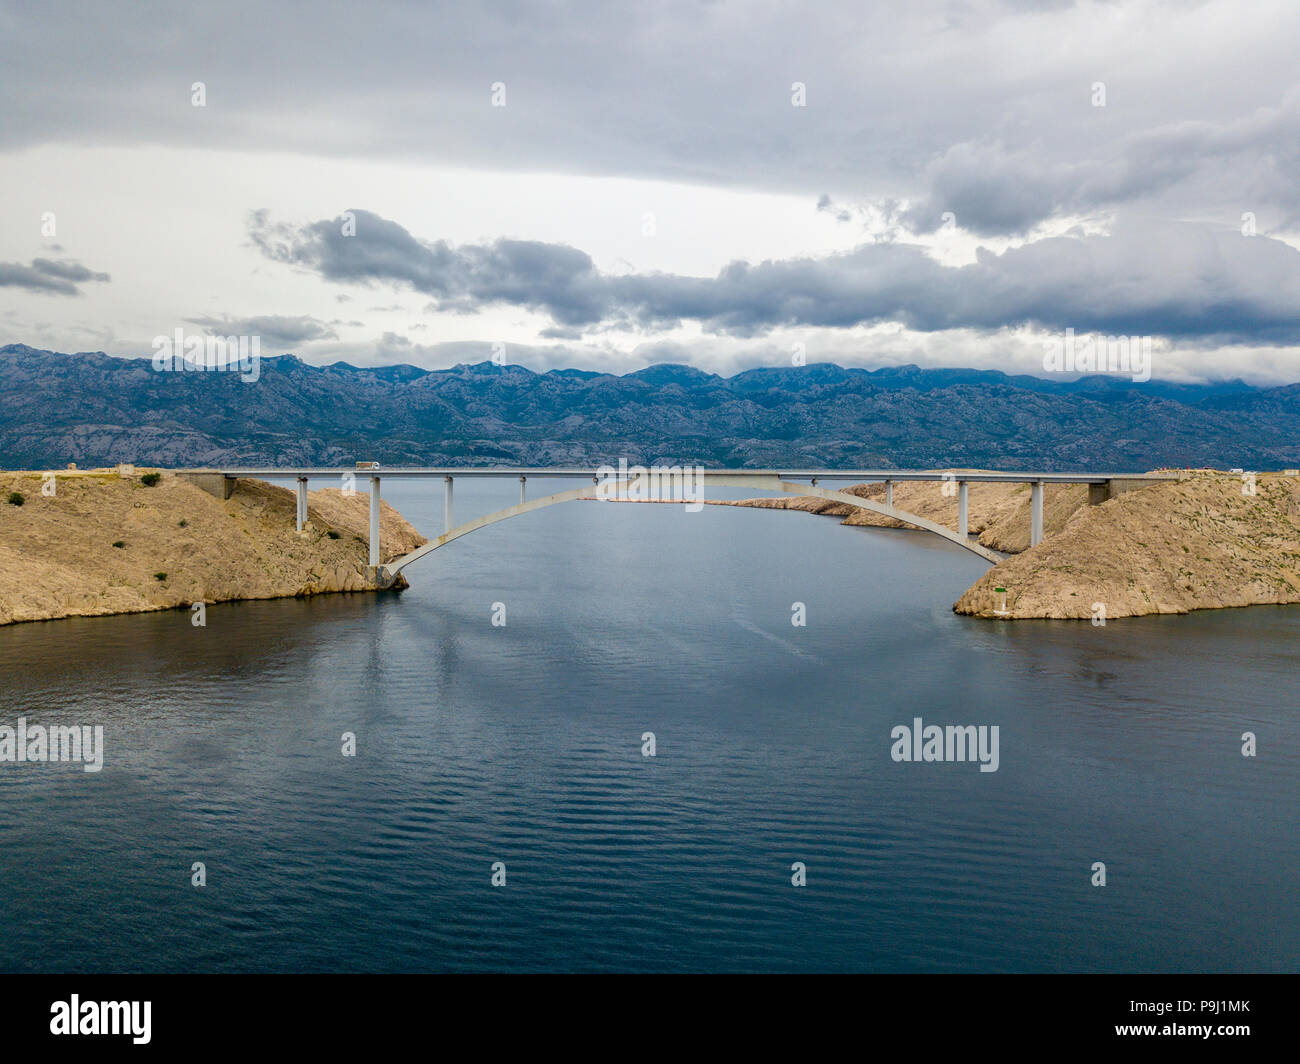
[[609, 482]]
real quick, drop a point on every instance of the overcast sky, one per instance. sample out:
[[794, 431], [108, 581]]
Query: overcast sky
[[607, 185]]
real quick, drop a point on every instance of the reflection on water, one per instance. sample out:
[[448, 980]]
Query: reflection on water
[[522, 744]]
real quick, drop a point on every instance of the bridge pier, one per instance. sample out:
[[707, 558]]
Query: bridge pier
[[963, 509], [522, 482], [447, 522], [1035, 513], [889, 493], [302, 502], [374, 522]]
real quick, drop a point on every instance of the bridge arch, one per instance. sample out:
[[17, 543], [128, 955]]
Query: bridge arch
[[391, 569]]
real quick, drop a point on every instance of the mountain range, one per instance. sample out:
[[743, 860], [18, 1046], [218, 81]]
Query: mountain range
[[95, 409]]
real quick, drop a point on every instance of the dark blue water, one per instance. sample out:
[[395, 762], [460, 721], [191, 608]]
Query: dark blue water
[[522, 744]]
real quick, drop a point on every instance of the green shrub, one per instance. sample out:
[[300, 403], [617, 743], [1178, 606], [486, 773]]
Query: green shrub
[[150, 479], [332, 534], [119, 543], [160, 576], [183, 522], [16, 498]]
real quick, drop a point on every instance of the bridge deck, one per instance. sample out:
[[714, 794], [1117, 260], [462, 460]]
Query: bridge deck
[[755, 474]]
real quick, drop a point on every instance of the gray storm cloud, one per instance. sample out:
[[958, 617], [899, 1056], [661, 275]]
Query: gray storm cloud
[[48, 276], [1175, 280], [983, 108], [993, 188]]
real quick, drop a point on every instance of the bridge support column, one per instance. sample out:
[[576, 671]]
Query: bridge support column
[[889, 493], [302, 502], [1035, 513], [448, 523], [374, 521], [1098, 494], [963, 508], [522, 482]]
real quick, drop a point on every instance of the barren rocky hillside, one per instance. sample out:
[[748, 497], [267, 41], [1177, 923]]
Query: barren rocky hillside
[[1199, 543], [93, 409], [104, 544], [1191, 545]]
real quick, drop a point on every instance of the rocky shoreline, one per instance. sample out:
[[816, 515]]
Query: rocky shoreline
[[1204, 542], [98, 542]]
